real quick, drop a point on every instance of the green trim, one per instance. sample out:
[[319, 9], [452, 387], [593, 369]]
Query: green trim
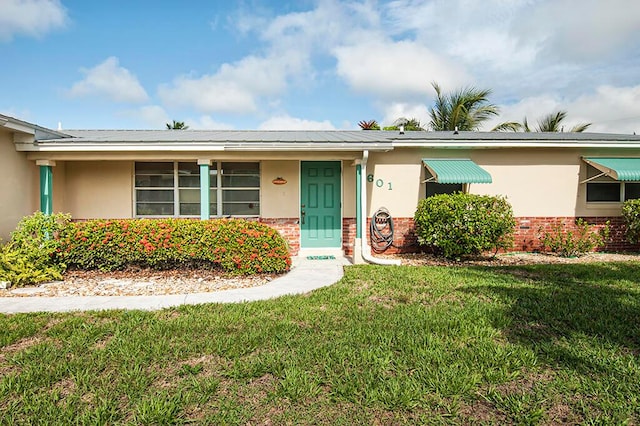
[[622, 169], [457, 170], [46, 189], [205, 213], [358, 201]]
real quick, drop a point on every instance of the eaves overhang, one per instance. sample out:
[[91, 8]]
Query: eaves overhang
[[80, 146], [448, 144], [28, 128]]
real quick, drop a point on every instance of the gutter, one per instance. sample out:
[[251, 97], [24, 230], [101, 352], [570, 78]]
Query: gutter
[[366, 248], [447, 144]]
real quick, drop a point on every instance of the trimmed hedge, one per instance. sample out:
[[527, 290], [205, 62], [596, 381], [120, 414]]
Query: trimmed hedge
[[464, 224], [234, 245]]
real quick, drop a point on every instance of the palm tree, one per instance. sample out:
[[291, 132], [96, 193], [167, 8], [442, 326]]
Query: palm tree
[[552, 123], [177, 125], [412, 124], [369, 125], [463, 109]]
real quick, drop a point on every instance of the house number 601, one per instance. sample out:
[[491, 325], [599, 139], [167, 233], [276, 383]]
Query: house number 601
[[379, 182]]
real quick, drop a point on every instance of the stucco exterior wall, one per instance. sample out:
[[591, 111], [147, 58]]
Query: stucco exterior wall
[[348, 189], [18, 179], [59, 184], [537, 182], [395, 182], [280, 201], [98, 189]]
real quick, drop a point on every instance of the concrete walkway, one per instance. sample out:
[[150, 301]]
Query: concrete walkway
[[305, 275]]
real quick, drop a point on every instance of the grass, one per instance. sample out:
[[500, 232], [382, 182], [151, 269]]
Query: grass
[[542, 344]]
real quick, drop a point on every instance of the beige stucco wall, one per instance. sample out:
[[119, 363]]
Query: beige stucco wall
[[396, 182], [18, 179], [59, 184], [348, 189], [537, 182], [98, 189], [280, 200]]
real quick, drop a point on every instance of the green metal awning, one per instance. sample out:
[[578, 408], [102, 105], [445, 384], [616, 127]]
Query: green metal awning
[[623, 169], [455, 171]]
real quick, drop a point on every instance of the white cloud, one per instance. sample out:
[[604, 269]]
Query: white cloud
[[206, 122], [234, 88], [286, 122], [30, 17], [609, 109], [110, 80], [589, 31], [153, 115], [396, 70]]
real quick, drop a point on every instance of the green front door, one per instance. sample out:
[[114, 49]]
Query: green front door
[[320, 218]]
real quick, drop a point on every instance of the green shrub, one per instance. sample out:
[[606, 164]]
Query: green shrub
[[631, 216], [574, 241], [18, 268], [234, 245], [32, 255], [464, 224]]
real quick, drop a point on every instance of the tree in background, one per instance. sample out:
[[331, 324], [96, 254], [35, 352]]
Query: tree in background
[[412, 124], [369, 125], [551, 122], [464, 109], [177, 125]]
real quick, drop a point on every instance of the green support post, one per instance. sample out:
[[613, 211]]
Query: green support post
[[46, 189], [204, 190]]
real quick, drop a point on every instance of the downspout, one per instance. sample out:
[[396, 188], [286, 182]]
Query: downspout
[[366, 248]]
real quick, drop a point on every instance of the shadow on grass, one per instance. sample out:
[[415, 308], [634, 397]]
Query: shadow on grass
[[572, 314]]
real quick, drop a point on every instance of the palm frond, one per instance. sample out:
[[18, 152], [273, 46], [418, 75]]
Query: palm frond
[[509, 126], [579, 128], [466, 109]]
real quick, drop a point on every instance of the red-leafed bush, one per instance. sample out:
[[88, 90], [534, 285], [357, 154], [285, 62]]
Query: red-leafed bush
[[234, 245]]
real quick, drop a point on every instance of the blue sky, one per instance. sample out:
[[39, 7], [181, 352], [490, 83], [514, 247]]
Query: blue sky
[[322, 64]]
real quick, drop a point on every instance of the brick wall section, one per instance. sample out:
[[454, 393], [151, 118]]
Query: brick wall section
[[289, 228], [348, 235], [530, 229], [527, 233], [404, 236], [404, 240]]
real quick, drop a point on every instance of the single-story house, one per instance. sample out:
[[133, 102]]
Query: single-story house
[[318, 188]]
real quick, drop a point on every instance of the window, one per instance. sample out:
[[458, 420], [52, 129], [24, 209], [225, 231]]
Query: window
[[434, 188], [173, 189], [240, 189], [604, 189], [154, 189]]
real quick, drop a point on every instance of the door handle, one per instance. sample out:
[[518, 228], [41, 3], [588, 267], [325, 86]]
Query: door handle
[[302, 215]]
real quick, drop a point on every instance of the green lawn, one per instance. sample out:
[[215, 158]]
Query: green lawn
[[387, 345]]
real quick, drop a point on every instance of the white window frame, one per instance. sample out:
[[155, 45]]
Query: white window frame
[[219, 189], [595, 180]]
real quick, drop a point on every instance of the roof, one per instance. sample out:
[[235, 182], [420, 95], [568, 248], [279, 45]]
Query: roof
[[249, 136], [456, 170], [314, 140], [213, 140], [39, 132]]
